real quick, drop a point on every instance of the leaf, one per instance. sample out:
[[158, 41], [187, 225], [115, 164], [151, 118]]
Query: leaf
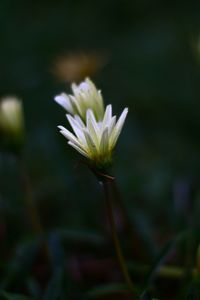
[[193, 292], [10, 296], [81, 236], [107, 289], [145, 296], [33, 287], [56, 250], [22, 261], [161, 258], [54, 288]]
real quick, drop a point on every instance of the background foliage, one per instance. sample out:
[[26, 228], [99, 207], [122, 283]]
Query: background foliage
[[141, 54]]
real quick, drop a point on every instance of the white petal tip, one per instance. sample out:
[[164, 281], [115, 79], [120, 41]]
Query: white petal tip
[[68, 116], [61, 127], [125, 112], [58, 98]]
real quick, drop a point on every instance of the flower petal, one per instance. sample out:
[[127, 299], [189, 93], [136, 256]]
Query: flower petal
[[78, 119], [90, 116], [64, 101], [80, 150], [90, 143], [118, 127], [76, 105], [107, 116], [68, 135], [92, 132], [111, 125], [103, 148], [76, 128]]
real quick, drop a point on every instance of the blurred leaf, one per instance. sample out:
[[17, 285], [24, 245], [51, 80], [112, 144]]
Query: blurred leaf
[[33, 287], [57, 287], [107, 289], [145, 296], [193, 292], [56, 250], [9, 296], [161, 258], [54, 287], [81, 236], [21, 262]]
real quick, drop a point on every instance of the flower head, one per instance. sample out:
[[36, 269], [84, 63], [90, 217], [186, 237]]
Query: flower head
[[95, 140], [85, 96]]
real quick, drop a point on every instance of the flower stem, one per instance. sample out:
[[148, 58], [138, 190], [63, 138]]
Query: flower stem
[[118, 250], [134, 237], [31, 207]]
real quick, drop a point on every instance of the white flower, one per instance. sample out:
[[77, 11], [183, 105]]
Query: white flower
[[11, 116], [85, 96], [95, 140]]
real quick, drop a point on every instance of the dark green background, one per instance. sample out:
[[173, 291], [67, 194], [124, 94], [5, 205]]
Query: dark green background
[[152, 51]]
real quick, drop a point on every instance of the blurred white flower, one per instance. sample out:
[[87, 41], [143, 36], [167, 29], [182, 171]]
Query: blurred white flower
[[85, 96], [11, 116], [96, 139]]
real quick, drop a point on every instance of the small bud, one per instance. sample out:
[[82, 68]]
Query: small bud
[[11, 122]]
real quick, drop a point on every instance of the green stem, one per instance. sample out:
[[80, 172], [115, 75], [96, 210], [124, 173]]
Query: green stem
[[134, 237], [118, 250], [31, 207]]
